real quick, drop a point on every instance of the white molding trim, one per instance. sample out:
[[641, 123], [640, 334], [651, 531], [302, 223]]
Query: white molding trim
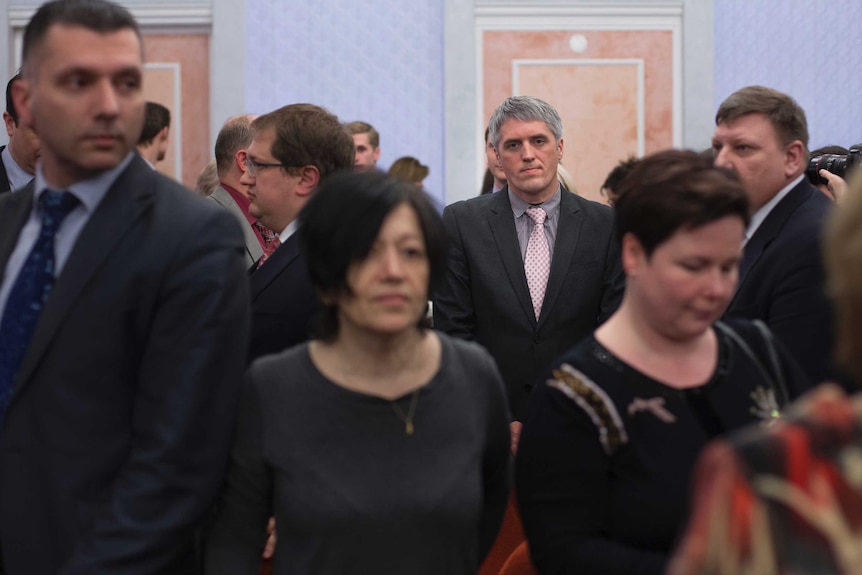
[[147, 14], [580, 10], [636, 62], [176, 111], [151, 17]]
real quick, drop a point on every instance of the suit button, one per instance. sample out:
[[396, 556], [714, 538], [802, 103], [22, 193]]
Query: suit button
[[537, 339], [527, 387]]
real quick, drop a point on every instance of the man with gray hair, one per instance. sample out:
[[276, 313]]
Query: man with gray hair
[[532, 269], [230, 153], [762, 135]]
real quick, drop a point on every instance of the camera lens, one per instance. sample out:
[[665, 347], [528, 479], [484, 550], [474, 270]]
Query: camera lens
[[834, 163]]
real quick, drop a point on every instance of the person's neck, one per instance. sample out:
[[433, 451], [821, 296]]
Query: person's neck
[[539, 197], [384, 365], [377, 352], [149, 153], [679, 363], [16, 157], [233, 182]]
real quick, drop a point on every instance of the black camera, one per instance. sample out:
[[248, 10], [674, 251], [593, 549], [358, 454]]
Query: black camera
[[838, 164]]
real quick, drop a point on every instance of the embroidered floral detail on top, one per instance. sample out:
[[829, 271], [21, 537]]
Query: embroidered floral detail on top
[[654, 405], [595, 402], [765, 405]]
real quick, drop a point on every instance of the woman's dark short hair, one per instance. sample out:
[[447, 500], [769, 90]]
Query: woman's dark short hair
[[341, 222], [673, 190]]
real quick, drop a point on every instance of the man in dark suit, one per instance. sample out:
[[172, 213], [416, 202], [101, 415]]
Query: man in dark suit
[[124, 305], [528, 291], [231, 194], [293, 150], [18, 159], [762, 135]]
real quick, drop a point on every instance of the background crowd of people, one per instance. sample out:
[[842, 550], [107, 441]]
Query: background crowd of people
[[195, 384]]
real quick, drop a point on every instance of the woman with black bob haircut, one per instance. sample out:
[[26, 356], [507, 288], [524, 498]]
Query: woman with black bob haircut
[[614, 429], [381, 446], [341, 226]]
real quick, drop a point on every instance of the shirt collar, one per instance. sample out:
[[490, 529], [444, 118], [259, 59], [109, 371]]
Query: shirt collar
[[519, 206], [760, 215], [89, 192], [288, 231], [18, 176]]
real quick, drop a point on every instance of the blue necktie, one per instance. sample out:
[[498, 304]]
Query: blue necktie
[[30, 292]]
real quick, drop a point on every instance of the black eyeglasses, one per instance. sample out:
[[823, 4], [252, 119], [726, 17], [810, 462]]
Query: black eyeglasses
[[252, 167]]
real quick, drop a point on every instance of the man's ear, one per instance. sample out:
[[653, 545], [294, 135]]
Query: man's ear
[[163, 134], [10, 123], [21, 101], [239, 159], [376, 153], [794, 158], [632, 254], [309, 177]]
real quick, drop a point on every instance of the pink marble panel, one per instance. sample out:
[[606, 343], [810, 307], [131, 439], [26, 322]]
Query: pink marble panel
[[598, 105], [191, 52], [655, 48]]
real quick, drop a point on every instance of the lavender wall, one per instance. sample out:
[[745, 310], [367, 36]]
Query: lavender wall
[[807, 49], [380, 61]]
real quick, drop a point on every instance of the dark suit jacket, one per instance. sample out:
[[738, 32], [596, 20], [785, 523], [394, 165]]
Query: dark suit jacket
[[485, 297], [782, 279], [4, 177], [283, 301], [116, 437]]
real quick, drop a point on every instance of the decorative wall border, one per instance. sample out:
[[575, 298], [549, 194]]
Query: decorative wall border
[[147, 14]]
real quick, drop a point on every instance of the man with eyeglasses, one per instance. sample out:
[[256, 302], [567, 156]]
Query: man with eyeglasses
[[294, 149]]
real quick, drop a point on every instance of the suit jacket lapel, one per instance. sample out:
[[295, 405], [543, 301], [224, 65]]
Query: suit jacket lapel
[[14, 212], [252, 244], [503, 228], [274, 265], [115, 217], [4, 177], [568, 230], [768, 231]]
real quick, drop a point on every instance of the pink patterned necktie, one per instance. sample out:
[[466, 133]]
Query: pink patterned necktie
[[537, 263], [271, 242]]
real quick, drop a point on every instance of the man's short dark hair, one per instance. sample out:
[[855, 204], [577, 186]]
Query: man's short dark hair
[[156, 118], [308, 135], [96, 15], [785, 115], [358, 127], [341, 222], [235, 135], [10, 105], [673, 190]]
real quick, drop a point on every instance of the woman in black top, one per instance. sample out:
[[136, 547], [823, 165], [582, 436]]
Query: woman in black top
[[611, 435], [381, 446]]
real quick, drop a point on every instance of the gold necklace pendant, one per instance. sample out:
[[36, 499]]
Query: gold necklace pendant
[[411, 411]]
